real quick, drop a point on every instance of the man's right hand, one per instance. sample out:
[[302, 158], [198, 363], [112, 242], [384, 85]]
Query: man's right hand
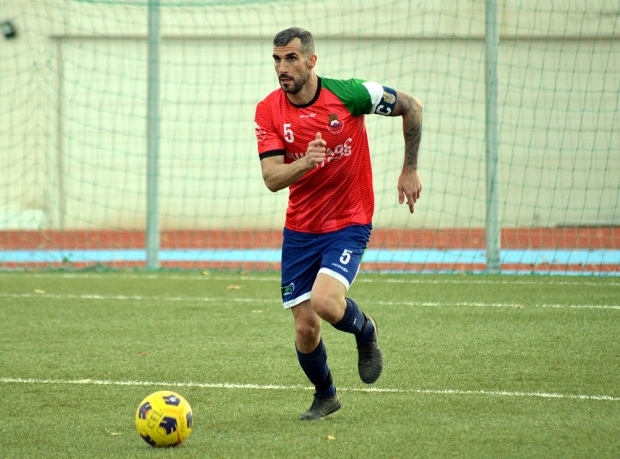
[[316, 152]]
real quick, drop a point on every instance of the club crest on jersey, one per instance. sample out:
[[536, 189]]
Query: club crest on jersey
[[334, 125]]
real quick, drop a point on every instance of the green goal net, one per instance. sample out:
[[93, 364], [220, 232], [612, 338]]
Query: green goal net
[[74, 138]]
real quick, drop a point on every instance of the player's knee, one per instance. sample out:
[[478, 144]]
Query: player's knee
[[326, 306], [307, 332]]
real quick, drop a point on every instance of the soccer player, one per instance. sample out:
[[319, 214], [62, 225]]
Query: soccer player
[[312, 139]]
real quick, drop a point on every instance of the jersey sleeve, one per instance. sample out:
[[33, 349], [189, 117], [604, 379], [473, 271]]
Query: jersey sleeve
[[269, 141], [383, 98], [352, 93], [363, 97]]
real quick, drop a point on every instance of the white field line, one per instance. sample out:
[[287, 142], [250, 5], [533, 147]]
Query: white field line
[[400, 279], [96, 382], [277, 301], [480, 281], [503, 305]]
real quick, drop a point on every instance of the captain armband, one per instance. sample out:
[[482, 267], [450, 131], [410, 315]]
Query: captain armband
[[387, 103]]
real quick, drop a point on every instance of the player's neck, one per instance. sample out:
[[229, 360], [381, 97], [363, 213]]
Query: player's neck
[[307, 93]]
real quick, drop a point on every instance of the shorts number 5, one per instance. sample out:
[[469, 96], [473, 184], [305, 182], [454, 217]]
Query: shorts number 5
[[345, 257]]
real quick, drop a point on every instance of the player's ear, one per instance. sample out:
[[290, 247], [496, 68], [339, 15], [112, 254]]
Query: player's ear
[[312, 60]]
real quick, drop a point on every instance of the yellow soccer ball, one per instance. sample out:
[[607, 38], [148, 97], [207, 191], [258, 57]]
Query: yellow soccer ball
[[164, 418]]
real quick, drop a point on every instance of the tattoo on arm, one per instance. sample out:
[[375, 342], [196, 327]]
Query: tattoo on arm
[[412, 130]]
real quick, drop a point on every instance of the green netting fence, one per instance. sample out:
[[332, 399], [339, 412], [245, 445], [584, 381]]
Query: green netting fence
[[75, 139]]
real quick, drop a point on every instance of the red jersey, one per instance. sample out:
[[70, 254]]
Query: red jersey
[[339, 192]]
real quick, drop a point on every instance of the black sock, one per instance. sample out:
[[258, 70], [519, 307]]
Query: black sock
[[315, 366], [366, 331], [353, 319]]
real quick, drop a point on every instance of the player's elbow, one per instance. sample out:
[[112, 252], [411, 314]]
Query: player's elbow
[[271, 184], [414, 111], [408, 106], [272, 187], [271, 169], [416, 106]]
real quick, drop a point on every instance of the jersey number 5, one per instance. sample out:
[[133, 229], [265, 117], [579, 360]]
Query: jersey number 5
[[288, 133]]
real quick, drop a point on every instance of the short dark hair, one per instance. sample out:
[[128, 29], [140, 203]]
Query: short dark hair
[[284, 38]]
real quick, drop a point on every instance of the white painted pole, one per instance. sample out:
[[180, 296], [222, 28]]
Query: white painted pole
[[152, 130], [491, 40]]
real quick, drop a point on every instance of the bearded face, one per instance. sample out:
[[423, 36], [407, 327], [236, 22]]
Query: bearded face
[[292, 66], [291, 84]]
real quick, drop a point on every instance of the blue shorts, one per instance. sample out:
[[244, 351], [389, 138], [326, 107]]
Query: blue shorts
[[304, 256]]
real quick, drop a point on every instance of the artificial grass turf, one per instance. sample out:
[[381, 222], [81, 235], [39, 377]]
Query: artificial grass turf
[[465, 357]]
